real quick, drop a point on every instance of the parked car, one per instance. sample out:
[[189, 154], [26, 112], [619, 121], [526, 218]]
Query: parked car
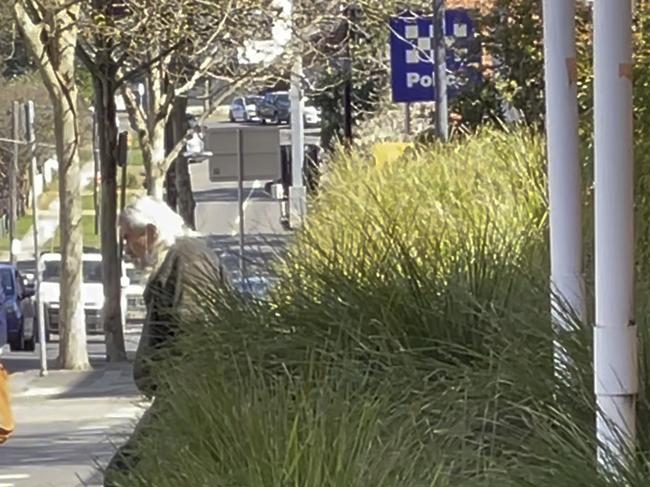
[[311, 114], [253, 287], [275, 107], [92, 291], [18, 308], [27, 269], [244, 108], [136, 307]]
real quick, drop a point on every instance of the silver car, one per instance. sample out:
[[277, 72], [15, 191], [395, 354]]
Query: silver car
[[244, 109]]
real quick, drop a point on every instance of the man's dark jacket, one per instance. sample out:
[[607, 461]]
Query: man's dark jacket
[[171, 295]]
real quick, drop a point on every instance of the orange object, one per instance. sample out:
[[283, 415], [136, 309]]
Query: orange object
[[7, 424]]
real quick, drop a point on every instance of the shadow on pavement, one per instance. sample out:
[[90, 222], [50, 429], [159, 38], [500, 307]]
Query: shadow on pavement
[[102, 380], [41, 449]]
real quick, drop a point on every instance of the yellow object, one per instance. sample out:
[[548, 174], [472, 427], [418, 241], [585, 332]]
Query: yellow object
[[6, 415], [388, 152]]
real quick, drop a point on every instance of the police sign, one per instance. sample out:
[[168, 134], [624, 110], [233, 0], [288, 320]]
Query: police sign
[[412, 53]]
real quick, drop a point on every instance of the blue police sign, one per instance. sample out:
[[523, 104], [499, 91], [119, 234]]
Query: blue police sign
[[412, 53]]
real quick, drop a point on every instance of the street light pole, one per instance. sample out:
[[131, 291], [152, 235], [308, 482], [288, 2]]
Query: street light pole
[[297, 190], [13, 175], [40, 322], [350, 19], [615, 335], [564, 180], [442, 111]]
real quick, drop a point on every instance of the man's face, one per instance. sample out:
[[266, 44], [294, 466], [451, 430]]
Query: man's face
[[139, 243]]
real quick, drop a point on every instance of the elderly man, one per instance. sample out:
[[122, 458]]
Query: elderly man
[[157, 240]]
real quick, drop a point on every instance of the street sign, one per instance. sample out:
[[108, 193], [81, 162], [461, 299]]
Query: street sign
[[412, 52], [260, 152]]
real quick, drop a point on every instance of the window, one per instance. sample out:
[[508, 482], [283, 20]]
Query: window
[[92, 272], [7, 281], [135, 276], [52, 271], [20, 286]]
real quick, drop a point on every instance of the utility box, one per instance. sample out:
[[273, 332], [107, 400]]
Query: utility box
[[260, 151]]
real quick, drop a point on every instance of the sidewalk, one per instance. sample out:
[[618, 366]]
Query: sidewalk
[[103, 380], [68, 425]]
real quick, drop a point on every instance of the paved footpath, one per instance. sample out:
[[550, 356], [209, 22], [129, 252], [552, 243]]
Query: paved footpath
[[68, 423], [67, 426]]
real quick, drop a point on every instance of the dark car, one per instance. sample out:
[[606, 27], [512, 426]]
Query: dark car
[[275, 107], [27, 269], [18, 307]]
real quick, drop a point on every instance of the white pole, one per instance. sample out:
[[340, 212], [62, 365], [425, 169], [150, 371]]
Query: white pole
[[564, 181], [615, 345], [40, 323], [297, 191]]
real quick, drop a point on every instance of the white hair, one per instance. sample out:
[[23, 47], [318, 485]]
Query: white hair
[[148, 210]]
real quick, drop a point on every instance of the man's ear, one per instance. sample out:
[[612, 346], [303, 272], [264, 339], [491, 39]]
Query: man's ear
[[151, 234]]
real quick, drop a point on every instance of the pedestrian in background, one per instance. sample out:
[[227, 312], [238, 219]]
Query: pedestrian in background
[[157, 240]]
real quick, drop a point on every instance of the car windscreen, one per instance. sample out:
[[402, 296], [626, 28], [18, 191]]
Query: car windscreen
[[25, 266], [136, 276], [7, 281], [252, 100], [284, 98], [92, 271], [52, 271]]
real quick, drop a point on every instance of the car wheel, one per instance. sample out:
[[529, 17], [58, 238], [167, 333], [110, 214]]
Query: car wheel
[[17, 344], [275, 120], [231, 116]]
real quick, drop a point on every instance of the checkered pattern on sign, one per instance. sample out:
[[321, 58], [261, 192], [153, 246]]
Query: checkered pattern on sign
[[422, 45]]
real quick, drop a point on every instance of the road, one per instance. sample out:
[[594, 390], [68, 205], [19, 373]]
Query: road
[[217, 217], [67, 422]]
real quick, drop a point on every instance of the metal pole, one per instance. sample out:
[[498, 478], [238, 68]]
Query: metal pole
[[297, 193], [96, 171], [347, 85], [347, 101], [615, 335], [207, 103], [122, 156], [123, 202], [407, 118], [40, 323], [442, 112], [240, 204], [13, 171], [564, 186]]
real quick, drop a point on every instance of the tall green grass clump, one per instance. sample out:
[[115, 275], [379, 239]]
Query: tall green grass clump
[[407, 342]]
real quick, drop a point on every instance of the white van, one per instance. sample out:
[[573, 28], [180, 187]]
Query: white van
[[92, 291]]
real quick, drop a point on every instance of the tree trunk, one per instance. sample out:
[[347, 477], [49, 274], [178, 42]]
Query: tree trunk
[[156, 170], [111, 265], [186, 203], [73, 353], [52, 40]]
